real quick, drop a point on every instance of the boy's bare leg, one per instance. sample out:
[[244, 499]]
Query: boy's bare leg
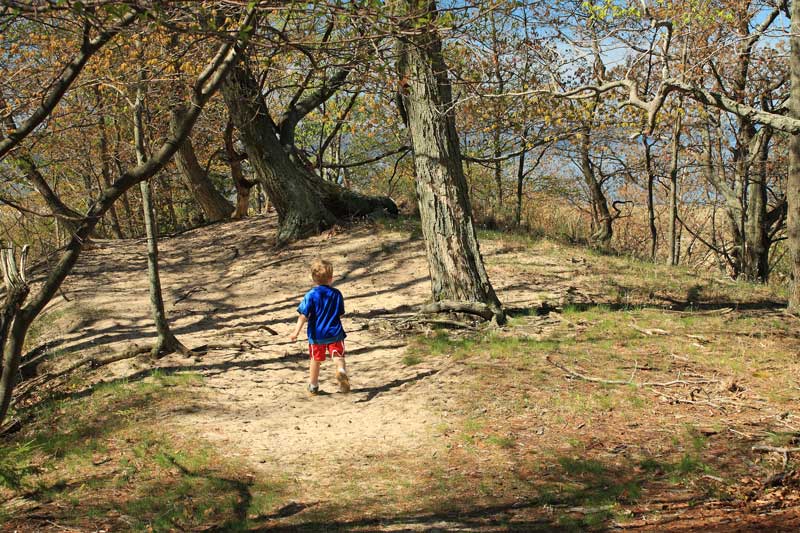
[[313, 372], [341, 374]]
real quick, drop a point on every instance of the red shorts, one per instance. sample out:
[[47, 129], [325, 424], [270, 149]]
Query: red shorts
[[317, 351]]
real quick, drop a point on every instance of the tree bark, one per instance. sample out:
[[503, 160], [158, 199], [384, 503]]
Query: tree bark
[[305, 203], [214, 205], [520, 182], [757, 227], [454, 258], [11, 334], [603, 221], [674, 252], [651, 210], [67, 216], [793, 185]]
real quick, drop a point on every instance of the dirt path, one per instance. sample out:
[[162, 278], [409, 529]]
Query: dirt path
[[221, 286]]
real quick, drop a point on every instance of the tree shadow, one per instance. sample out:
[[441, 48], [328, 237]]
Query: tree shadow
[[372, 392]]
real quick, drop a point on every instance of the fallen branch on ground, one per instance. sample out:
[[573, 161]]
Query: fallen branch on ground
[[92, 361], [776, 449], [651, 331], [442, 322], [593, 379], [241, 345]]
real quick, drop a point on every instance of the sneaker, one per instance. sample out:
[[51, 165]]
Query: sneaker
[[313, 390], [344, 382]]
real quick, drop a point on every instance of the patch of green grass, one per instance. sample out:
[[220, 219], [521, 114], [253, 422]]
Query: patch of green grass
[[782, 439], [501, 442], [16, 463], [411, 359], [402, 224], [573, 467]]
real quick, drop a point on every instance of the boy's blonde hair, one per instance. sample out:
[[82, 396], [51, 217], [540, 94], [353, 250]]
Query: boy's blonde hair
[[321, 271]]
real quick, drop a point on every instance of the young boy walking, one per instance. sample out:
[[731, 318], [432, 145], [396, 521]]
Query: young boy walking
[[322, 307]]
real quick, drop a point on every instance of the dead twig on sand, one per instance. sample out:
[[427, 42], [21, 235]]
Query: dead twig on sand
[[651, 331], [593, 379], [776, 449]]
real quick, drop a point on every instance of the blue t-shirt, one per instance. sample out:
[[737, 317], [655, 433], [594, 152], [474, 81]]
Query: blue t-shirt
[[323, 306]]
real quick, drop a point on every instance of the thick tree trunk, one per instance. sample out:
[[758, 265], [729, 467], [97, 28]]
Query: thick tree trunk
[[214, 205], [757, 227], [305, 203], [454, 258], [12, 331], [793, 185]]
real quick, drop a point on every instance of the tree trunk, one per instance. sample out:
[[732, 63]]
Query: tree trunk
[[105, 165], [12, 331], [242, 185], [166, 343], [757, 241], [793, 185], [520, 182], [651, 210], [456, 266], [214, 205], [305, 203], [674, 251], [603, 221]]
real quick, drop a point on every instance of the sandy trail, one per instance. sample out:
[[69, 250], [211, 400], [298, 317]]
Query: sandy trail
[[223, 283]]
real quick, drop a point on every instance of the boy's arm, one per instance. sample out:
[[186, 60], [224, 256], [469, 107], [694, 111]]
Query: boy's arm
[[301, 320]]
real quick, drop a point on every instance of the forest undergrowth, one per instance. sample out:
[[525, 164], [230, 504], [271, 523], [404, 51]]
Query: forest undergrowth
[[621, 395]]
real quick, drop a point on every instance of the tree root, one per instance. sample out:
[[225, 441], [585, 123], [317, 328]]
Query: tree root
[[449, 306], [168, 345]]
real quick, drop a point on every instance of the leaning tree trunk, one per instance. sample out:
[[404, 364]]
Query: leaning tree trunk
[[11, 335], [793, 185], [214, 205], [604, 222], [305, 203], [454, 258]]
